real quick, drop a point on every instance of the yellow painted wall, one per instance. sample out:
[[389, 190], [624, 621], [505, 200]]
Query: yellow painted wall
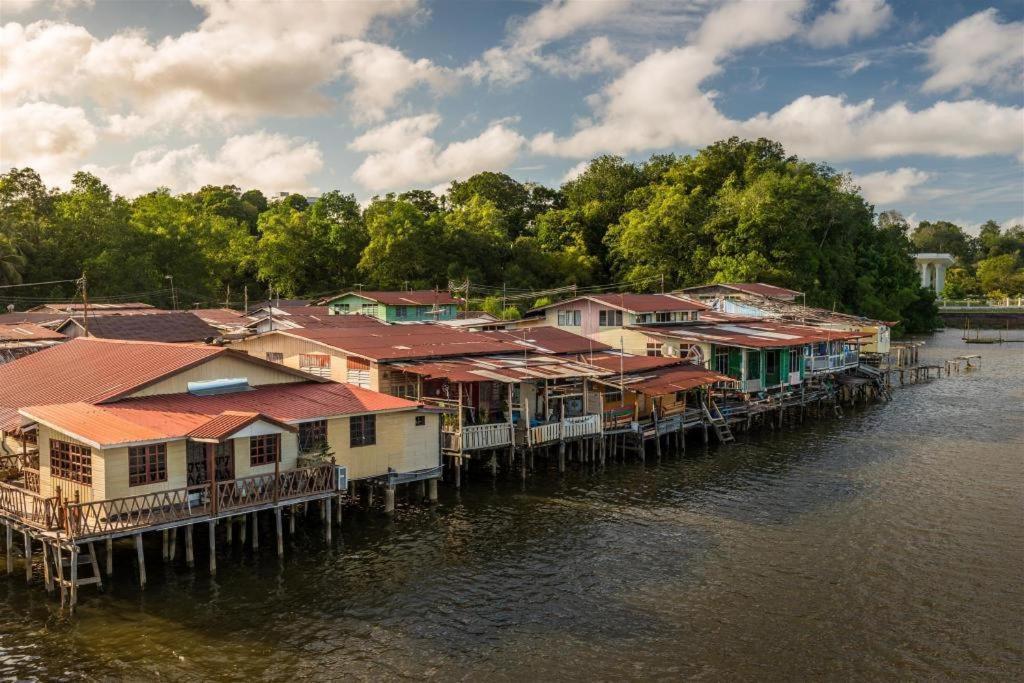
[[48, 484], [400, 445], [289, 455], [291, 348], [620, 338], [220, 367], [116, 461]]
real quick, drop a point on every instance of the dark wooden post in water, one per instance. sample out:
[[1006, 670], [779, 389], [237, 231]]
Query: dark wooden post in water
[[190, 559], [213, 546], [280, 533], [255, 532], [28, 557], [10, 549], [74, 578], [142, 560]]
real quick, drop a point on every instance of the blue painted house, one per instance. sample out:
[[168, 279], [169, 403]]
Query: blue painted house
[[396, 307]]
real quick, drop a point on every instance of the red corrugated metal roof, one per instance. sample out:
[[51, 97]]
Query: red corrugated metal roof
[[502, 368], [676, 378], [173, 416], [401, 342], [762, 289], [636, 303], [109, 425], [28, 332], [97, 370], [230, 422], [547, 339], [286, 402]]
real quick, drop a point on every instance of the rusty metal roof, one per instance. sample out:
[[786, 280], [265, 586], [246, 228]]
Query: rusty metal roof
[[102, 426], [547, 339], [636, 303], [170, 327], [417, 297], [762, 334], [756, 288], [403, 342], [28, 332], [667, 380], [510, 369]]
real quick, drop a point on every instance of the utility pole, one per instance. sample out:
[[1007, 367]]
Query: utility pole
[[227, 298], [85, 304], [174, 297], [245, 294]]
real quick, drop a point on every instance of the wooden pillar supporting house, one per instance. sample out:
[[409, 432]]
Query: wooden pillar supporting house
[[255, 532], [389, 499], [73, 588], [279, 532], [190, 559], [28, 557], [173, 549], [142, 560], [213, 547], [432, 490], [10, 549]]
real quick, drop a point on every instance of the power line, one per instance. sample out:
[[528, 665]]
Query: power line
[[35, 284]]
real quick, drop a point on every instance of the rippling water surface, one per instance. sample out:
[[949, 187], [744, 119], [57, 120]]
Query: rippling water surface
[[885, 545]]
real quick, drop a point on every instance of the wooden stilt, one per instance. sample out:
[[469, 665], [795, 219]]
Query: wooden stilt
[[74, 578], [93, 562], [291, 519], [389, 499], [142, 560], [165, 546], [337, 509], [60, 572], [458, 472], [230, 531], [110, 556], [174, 544], [561, 456], [243, 525], [47, 569], [280, 534], [330, 518], [213, 546], [28, 557], [255, 532], [432, 490], [190, 558], [10, 549]]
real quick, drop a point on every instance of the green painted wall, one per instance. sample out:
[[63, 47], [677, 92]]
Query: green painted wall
[[353, 303]]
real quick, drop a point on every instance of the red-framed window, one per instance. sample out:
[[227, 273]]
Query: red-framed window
[[264, 449], [312, 436], [147, 464], [362, 430], [71, 461]]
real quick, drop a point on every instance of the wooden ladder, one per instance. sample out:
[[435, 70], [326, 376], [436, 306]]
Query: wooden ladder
[[718, 421]]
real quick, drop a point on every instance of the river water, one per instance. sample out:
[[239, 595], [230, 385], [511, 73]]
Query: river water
[[888, 544]]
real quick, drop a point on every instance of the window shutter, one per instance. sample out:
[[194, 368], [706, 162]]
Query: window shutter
[[736, 363]]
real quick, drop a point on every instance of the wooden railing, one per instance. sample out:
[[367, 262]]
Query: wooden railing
[[133, 512], [577, 427], [475, 437], [27, 506], [542, 434], [260, 489], [176, 505]]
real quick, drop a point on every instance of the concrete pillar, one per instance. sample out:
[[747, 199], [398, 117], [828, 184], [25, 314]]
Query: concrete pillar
[[389, 499], [432, 490]]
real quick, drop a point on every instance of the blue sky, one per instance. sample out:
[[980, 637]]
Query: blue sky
[[920, 101]]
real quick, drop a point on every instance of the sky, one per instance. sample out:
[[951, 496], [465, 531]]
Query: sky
[[921, 102]]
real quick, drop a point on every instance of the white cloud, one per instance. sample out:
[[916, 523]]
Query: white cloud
[[846, 20], [380, 74], [557, 20], [245, 60], [576, 171], [658, 103], [267, 161], [19, 6], [403, 155], [976, 51], [1011, 222], [886, 187], [48, 137]]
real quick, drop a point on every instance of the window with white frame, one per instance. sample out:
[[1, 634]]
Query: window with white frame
[[609, 318], [654, 349], [318, 364], [570, 318]]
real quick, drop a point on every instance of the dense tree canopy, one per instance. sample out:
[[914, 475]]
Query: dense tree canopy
[[737, 210]]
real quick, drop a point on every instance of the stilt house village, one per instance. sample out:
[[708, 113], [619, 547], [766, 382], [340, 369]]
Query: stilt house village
[[124, 422]]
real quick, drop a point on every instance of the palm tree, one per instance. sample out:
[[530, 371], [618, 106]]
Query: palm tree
[[12, 262]]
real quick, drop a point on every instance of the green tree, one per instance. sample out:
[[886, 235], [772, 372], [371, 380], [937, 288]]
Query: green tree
[[943, 237], [12, 261], [1001, 276], [405, 247], [476, 243]]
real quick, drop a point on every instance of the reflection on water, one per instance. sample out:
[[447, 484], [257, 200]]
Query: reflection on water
[[887, 544]]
